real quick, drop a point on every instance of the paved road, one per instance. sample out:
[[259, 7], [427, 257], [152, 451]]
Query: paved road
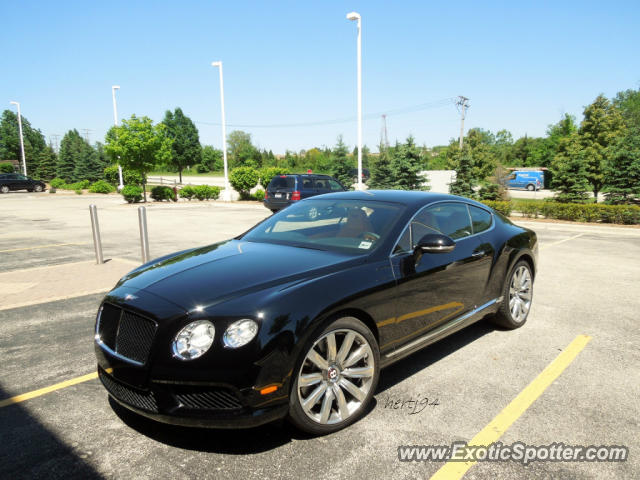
[[587, 284]]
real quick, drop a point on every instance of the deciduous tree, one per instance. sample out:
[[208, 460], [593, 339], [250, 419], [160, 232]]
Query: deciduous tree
[[185, 146]]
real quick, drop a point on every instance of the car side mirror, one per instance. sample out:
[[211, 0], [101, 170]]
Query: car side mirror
[[436, 243]]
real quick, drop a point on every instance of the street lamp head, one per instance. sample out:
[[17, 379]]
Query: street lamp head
[[116, 87], [216, 64], [14, 103], [353, 16]]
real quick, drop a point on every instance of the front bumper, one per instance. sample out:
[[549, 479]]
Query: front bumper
[[213, 405]]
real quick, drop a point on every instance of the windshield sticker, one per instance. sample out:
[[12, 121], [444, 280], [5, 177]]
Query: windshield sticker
[[365, 245]]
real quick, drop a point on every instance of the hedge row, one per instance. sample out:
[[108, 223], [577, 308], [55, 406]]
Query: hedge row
[[577, 212], [201, 192]]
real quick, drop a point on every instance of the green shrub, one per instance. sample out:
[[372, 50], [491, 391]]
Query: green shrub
[[502, 207], [202, 168], [6, 167], [187, 192], [243, 179], [259, 195], [78, 191], [101, 186], [267, 174], [132, 193], [52, 190], [206, 192], [580, 212], [129, 177], [161, 193], [57, 183]]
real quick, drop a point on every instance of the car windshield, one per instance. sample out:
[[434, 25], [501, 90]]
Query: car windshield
[[349, 226]]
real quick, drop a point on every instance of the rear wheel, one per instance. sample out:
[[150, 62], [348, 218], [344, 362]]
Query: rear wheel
[[335, 378], [531, 188], [37, 188], [517, 296], [4, 189]]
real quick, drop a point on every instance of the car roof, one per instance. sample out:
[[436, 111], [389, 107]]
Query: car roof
[[406, 197]]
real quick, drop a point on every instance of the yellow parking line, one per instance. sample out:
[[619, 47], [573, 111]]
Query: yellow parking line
[[52, 388], [42, 246], [494, 430]]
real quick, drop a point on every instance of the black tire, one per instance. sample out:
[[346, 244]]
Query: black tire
[[4, 189], [340, 328], [504, 317]]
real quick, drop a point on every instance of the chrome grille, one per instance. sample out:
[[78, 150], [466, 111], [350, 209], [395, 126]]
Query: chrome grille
[[125, 333]]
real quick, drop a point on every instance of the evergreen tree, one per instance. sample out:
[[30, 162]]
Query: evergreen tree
[[622, 175], [570, 171], [185, 149], [405, 166], [87, 164], [462, 163], [381, 170], [341, 167], [47, 164], [601, 127], [71, 150]]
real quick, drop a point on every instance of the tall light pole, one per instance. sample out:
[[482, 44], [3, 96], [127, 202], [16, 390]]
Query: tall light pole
[[356, 16], [115, 121], [24, 162], [226, 194]]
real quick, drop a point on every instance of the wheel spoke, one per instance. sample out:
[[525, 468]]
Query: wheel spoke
[[309, 379], [317, 359], [356, 356], [514, 309], [331, 347], [343, 409], [525, 295], [352, 389], [312, 399], [361, 372], [327, 403], [345, 347]]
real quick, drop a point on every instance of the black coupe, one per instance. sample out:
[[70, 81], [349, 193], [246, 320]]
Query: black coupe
[[296, 317]]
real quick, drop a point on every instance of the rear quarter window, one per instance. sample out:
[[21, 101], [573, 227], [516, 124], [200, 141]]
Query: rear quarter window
[[287, 183]]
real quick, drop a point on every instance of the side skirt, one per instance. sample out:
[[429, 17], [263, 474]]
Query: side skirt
[[442, 331]]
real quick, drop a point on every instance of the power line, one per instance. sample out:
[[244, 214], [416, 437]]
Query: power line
[[398, 111]]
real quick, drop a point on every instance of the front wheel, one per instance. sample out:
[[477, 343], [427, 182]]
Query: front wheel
[[517, 296], [4, 189], [531, 188], [37, 188], [335, 378]]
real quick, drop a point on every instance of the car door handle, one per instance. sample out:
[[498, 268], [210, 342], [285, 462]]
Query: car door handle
[[480, 253]]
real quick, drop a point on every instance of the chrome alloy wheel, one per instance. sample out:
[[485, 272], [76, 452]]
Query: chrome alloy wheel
[[520, 293], [336, 376]]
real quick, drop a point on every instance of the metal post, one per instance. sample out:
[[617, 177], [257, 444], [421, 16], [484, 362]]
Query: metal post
[[24, 162], [95, 227], [144, 237]]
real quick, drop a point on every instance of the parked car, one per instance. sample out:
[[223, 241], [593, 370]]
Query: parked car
[[296, 317], [365, 175], [526, 180], [17, 181], [283, 190]]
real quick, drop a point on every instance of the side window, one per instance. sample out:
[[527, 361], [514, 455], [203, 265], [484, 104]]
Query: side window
[[452, 219], [480, 218], [334, 186], [404, 244]]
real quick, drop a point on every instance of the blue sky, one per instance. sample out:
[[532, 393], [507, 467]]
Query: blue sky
[[522, 64]]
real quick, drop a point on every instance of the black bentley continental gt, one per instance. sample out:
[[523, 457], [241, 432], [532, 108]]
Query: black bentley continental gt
[[296, 317]]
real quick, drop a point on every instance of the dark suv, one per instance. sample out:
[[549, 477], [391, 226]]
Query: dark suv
[[17, 181], [283, 190]]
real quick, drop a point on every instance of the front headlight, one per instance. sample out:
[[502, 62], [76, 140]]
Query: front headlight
[[240, 333], [193, 340]]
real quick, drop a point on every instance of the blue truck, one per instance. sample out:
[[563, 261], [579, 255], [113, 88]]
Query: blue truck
[[526, 180]]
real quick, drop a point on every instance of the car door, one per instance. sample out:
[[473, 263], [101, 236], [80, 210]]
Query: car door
[[22, 182], [12, 181], [434, 288], [321, 185]]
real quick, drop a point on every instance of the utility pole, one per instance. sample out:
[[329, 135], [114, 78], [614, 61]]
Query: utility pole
[[384, 138], [463, 103], [53, 138], [86, 132]]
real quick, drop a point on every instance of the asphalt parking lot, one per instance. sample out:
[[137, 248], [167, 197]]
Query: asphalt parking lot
[[587, 284]]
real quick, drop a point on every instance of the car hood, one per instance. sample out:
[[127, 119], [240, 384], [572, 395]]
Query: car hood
[[206, 276]]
